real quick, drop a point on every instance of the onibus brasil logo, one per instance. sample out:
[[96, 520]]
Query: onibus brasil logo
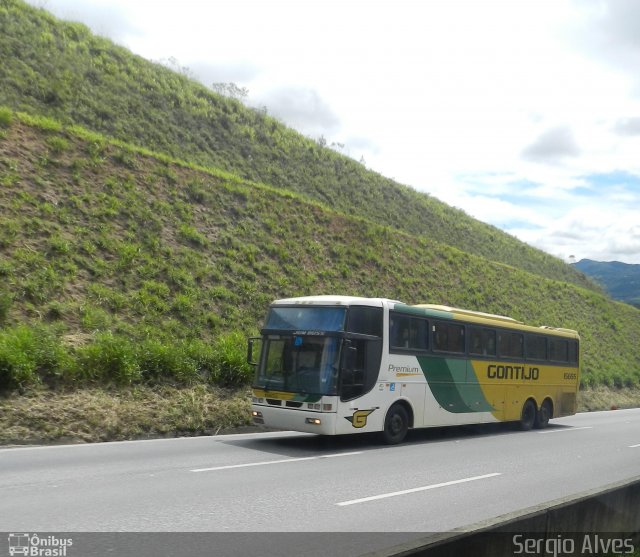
[[38, 546]]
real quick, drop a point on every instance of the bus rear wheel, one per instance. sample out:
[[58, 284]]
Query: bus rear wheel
[[528, 416], [543, 415], [396, 425]]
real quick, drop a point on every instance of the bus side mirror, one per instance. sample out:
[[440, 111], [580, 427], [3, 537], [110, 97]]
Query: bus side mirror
[[250, 350]]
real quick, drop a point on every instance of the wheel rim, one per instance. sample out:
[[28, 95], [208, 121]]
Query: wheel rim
[[396, 424]]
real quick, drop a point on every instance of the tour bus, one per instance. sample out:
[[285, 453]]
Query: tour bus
[[335, 365]]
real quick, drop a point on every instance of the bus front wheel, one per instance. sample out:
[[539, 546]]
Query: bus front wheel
[[396, 425], [528, 417]]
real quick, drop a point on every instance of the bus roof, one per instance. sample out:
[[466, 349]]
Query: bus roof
[[469, 312], [481, 318], [333, 301], [428, 310]]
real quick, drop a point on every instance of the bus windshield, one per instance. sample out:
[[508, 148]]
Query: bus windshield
[[306, 318], [300, 363]]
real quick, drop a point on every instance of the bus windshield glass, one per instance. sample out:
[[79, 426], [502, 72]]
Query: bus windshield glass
[[306, 318], [300, 363]]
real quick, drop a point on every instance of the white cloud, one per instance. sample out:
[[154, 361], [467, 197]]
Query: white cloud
[[603, 231], [552, 146], [103, 17], [301, 108], [628, 126]]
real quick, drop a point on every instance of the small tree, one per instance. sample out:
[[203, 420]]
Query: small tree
[[230, 90]]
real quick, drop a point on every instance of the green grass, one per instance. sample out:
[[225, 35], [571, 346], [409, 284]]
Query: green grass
[[57, 72], [153, 271], [6, 117]]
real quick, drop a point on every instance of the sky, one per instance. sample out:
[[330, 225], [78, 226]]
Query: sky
[[524, 114]]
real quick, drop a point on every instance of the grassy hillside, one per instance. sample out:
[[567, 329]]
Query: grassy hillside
[[62, 71], [121, 266]]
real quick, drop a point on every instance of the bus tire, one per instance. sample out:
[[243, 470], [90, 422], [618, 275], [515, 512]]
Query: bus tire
[[528, 416], [544, 415], [396, 425]]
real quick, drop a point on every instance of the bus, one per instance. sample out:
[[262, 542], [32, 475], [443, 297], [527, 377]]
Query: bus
[[336, 365]]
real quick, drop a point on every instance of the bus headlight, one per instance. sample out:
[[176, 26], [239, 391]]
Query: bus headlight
[[257, 417], [313, 421]]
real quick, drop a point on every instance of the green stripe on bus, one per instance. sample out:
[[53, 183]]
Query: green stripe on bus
[[452, 388]]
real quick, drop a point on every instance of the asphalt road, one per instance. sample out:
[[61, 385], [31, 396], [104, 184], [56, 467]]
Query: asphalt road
[[436, 481]]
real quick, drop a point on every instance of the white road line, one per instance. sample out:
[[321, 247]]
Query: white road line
[[415, 489], [634, 446], [264, 463], [567, 429]]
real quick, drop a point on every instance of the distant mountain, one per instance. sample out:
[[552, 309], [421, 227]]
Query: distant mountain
[[621, 280]]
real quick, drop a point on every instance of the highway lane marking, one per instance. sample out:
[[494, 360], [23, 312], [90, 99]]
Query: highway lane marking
[[568, 429], [634, 446], [266, 462], [416, 489]]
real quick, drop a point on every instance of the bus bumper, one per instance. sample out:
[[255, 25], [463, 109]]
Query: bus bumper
[[294, 419]]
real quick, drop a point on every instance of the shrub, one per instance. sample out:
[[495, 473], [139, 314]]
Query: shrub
[[191, 235], [29, 355], [17, 358], [126, 157], [110, 359], [6, 117], [95, 319], [231, 367], [54, 363], [6, 300], [42, 122], [204, 357], [223, 363], [157, 360], [57, 144]]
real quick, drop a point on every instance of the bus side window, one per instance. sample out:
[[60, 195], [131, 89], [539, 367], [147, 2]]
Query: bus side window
[[558, 350], [511, 345], [536, 347], [448, 337], [482, 342], [489, 342], [399, 332], [408, 333], [365, 320], [475, 341], [573, 352]]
